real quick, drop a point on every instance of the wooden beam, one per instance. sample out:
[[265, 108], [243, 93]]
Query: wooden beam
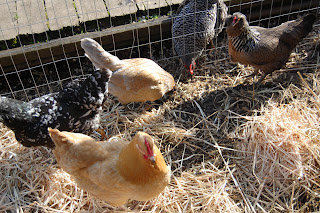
[[56, 49]]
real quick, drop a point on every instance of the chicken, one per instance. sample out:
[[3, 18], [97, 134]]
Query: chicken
[[114, 170], [133, 80], [197, 23], [266, 49], [75, 108]]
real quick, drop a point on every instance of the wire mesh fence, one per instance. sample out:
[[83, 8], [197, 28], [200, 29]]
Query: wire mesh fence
[[210, 127], [43, 26]]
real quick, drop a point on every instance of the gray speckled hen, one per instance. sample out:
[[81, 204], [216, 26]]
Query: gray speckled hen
[[198, 22], [75, 108]]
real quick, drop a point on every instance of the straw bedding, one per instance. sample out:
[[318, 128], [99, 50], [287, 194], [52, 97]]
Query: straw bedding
[[231, 148]]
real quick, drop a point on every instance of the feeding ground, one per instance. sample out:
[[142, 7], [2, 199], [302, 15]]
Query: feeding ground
[[231, 147]]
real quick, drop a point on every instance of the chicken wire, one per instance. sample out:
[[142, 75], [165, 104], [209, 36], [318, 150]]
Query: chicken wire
[[45, 77]]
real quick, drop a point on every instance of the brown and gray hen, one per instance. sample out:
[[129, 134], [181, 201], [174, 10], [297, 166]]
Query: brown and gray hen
[[266, 49], [198, 22]]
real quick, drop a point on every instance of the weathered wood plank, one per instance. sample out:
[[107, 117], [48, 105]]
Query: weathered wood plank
[[90, 10], [31, 17], [61, 14], [121, 7], [172, 2], [150, 4], [8, 26]]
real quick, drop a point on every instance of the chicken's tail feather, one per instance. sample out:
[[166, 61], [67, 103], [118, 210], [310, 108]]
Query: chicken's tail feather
[[307, 22], [13, 111], [298, 29], [97, 55]]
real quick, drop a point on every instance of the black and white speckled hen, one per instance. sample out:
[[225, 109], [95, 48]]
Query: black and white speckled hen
[[266, 49], [197, 23], [75, 108]]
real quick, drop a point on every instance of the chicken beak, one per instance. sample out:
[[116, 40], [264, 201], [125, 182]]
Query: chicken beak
[[153, 160]]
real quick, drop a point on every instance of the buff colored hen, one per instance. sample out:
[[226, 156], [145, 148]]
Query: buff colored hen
[[133, 80], [114, 170]]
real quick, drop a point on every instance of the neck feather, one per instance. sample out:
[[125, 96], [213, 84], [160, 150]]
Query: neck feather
[[113, 63], [246, 40]]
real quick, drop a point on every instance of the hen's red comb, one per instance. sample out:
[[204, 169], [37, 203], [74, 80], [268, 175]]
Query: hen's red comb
[[234, 19], [190, 69], [150, 152]]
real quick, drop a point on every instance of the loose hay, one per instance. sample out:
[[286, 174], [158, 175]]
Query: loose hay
[[279, 153], [34, 182], [231, 149]]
